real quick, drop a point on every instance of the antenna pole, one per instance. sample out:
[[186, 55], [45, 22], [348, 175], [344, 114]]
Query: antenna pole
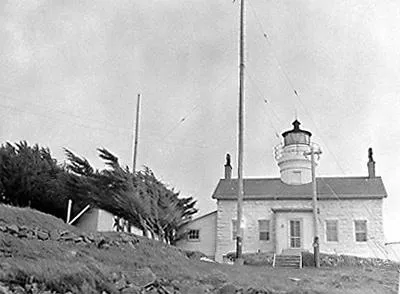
[[315, 206], [136, 134], [239, 228]]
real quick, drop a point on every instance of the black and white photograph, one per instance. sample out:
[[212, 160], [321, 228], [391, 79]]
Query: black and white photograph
[[197, 146]]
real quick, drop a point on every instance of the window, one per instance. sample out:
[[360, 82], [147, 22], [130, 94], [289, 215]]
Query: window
[[361, 230], [263, 229], [296, 177], [194, 235], [332, 231]]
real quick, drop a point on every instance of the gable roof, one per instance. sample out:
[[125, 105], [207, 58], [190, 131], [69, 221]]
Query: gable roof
[[199, 218], [203, 216], [327, 188]]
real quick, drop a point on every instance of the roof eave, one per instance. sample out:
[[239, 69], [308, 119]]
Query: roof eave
[[321, 197]]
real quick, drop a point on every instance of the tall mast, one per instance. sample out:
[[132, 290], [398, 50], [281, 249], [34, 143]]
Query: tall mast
[[136, 134], [239, 230]]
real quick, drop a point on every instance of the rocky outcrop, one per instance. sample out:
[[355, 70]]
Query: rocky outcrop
[[98, 240]]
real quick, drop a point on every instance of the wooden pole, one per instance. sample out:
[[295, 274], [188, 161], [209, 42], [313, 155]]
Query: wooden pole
[[315, 209], [136, 134], [69, 210], [239, 230], [79, 214]]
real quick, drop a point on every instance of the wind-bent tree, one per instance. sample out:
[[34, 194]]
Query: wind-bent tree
[[29, 176], [139, 198]]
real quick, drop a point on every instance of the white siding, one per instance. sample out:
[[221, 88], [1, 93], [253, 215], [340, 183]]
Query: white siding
[[105, 221], [98, 220], [345, 211], [88, 221], [206, 243]]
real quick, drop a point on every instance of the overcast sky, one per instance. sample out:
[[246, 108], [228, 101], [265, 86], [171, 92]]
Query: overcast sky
[[71, 70]]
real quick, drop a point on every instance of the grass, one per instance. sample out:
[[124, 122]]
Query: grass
[[84, 268]]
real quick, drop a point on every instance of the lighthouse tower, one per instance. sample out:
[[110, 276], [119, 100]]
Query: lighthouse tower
[[294, 164]]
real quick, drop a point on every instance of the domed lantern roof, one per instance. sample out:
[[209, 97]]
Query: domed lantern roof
[[296, 136]]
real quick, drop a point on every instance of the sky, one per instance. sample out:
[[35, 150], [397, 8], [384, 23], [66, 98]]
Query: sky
[[71, 72]]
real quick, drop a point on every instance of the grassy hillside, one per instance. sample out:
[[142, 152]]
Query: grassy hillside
[[41, 254]]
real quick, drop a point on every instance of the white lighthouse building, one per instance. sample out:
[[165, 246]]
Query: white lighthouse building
[[294, 164], [279, 213]]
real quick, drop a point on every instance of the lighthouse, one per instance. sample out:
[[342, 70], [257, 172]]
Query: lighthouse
[[294, 165]]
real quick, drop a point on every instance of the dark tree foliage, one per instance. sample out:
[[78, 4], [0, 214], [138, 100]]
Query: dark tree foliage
[[139, 198], [29, 176]]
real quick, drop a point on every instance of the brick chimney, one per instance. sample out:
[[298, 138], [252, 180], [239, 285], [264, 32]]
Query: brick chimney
[[228, 167], [371, 164]]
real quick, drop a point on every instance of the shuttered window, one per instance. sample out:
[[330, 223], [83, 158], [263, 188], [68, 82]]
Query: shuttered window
[[332, 231], [360, 230], [263, 230]]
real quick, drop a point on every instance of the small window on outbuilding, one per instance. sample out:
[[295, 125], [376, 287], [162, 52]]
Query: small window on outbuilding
[[361, 230], [194, 235], [332, 231], [263, 230]]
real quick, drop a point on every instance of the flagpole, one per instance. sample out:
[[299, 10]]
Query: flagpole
[[239, 225]]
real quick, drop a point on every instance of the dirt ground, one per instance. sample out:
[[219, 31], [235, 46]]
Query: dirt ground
[[93, 263]]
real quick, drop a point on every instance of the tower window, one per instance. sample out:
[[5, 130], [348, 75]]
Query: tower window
[[296, 176]]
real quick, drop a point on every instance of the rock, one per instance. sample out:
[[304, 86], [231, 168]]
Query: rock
[[66, 236], [54, 235], [23, 232], [227, 289], [115, 277], [34, 288], [30, 235], [18, 290], [4, 289], [171, 289], [258, 291], [121, 284], [175, 284], [87, 239], [90, 237], [142, 277], [131, 289], [13, 229], [102, 244], [5, 252], [41, 235], [3, 228], [78, 239]]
